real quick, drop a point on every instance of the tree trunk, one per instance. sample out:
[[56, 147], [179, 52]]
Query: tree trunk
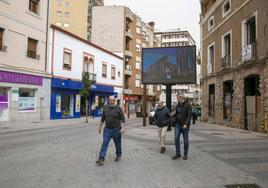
[[86, 109]]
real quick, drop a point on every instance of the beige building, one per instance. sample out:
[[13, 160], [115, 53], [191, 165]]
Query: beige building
[[23, 60], [117, 29], [234, 62], [73, 16]]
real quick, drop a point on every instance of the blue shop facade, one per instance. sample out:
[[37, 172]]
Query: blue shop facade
[[99, 97], [65, 99]]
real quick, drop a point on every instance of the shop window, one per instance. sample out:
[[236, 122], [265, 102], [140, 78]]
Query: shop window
[[33, 6], [67, 59], [113, 72], [104, 70], [32, 49], [27, 99]]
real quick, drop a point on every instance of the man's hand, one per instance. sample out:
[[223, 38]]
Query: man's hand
[[99, 128], [185, 126], [172, 113], [123, 129]]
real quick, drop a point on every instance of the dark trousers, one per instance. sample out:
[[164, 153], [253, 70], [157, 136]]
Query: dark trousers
[[194, 117], [185, 133], [109, 134]]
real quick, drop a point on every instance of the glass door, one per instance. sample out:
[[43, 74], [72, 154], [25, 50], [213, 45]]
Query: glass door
[[3, 104]]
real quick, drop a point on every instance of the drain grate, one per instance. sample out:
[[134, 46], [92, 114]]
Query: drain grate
[[216, 133], [242, 186]]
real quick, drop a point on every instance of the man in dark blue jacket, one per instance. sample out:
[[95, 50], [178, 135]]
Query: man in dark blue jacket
[[162, 119], [183, 121]]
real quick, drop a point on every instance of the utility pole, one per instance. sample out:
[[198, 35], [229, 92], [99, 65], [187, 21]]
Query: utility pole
[[144, 105]]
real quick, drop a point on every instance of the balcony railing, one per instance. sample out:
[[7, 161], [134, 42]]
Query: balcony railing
[[128, 91], [128, 34], [128, 53], [92, 77], [128, 70], [226, 61], [3, 48], [249, 52], [32, 55]]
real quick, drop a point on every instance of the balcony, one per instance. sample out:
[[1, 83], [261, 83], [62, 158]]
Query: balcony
[[128, 70], [129, 15], [32, 55], [226, 61], [249, 52], [128, 91], [128, 53], [128, 34], [3, 48]]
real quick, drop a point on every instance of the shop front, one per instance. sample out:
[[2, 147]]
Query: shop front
[[99, 97], [65, 99], [22, 97]]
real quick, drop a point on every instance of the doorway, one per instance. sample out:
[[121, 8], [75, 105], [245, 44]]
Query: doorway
[[4, 104], [211, 101], [227, 100], [67, 105], [252, 102]]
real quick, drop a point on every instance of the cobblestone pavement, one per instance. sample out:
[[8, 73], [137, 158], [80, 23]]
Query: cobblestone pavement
[[64, 156]]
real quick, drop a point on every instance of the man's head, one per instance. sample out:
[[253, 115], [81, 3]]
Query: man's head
[[111, 100], [160, 104], [180, 99]]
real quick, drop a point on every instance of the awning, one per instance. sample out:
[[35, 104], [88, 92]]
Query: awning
[[95, 88], [66, 84]]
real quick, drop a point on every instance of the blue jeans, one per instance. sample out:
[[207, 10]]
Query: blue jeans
[[185, 133], [109, 134]]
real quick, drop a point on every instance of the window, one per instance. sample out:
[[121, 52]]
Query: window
[[210, 23], [2, 47], [33, 6], [226, 8], [27, 100], [66, 14], [66, 25], [58, 24], [138, 65], [104, 70], [32, 48], [138, 47], [88, 65], [60, 3], [138, 83], [250, 31], [67, 4], [67, 59], [59, 13], [113, 72], [226, 49], [211, 58]]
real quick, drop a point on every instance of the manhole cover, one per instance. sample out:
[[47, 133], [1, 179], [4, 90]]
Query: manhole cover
[[242, 186], [216, 133]]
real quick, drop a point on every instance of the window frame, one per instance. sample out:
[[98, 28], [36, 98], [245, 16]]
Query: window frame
[[210, 27], [35, 101], [113, 67], [104, 64], [224, 13], [209, 59], [69, 51], [35, 2]]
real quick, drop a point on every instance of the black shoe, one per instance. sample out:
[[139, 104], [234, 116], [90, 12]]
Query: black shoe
[[185, 157], [175, 157], [100, 162], [117, 159], [162, 150]]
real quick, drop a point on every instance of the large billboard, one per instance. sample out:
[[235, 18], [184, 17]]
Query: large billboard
[[174, 65]]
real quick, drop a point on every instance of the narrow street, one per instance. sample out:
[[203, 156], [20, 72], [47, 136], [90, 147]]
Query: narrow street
[[64, 156]]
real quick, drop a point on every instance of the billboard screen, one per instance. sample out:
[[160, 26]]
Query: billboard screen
[[175, 65]]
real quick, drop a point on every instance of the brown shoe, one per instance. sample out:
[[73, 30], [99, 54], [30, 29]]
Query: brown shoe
[[100, 162], [162, 150]]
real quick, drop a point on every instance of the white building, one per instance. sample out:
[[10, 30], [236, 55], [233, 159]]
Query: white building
[[70, 56]]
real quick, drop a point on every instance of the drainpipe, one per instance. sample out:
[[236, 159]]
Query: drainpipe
[[47, 32]]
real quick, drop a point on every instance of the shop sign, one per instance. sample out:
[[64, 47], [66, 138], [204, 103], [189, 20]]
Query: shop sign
[[20, 78]]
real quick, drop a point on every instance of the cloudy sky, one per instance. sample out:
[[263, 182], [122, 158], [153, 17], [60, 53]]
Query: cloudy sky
[[167, 14]]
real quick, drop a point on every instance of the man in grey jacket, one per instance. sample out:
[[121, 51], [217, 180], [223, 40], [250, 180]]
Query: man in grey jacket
[[114, 126]]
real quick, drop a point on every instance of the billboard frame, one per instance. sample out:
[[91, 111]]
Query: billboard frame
[[169, 83]]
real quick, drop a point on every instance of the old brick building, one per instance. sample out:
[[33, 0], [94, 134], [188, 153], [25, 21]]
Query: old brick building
[[234, 61]]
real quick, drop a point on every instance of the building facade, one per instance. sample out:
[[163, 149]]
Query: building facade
[[125, 34], [175, 38], [73, 16], [234, 63], [24, 83], [70, 56]]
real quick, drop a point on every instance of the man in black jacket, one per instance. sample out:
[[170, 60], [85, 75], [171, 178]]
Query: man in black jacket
[[114, 127], [162, 117], [183, 121]]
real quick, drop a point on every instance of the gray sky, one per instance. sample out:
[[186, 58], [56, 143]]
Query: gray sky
[[167, 14]]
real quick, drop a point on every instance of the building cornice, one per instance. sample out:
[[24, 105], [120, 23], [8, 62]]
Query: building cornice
[[84, 41]]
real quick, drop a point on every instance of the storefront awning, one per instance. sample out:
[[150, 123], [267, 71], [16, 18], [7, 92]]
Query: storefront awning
[[102, 88], [66, 84]]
